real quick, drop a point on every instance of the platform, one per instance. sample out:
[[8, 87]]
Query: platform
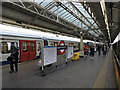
[[84, 73]]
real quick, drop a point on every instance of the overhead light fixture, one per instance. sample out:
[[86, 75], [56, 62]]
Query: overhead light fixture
[[102, 3]]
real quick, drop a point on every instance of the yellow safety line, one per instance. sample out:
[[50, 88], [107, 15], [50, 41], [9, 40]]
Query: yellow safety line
[[117, 73], [102, 76]]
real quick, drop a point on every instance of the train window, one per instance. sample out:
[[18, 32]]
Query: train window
[[24, 46], [4, 47], [32, 46], [16, 44], [55, 43], [38, 47], [0, 47], [70, 44], [51, 44], [12, 45], [9, 47], [45, 43]]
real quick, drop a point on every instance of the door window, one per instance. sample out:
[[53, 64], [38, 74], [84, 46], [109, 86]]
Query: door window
[[24, 46], [32, 46]]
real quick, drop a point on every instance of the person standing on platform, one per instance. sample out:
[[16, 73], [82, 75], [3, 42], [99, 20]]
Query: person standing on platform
[[104, 49], [99, 49], [92, 50], [14, 55], [85, 50]]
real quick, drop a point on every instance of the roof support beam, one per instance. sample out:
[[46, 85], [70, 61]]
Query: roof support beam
[[82, 16]]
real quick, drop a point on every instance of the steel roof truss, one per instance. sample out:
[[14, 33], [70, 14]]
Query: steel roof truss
[[41, 2], [82, 15], [42, 14]]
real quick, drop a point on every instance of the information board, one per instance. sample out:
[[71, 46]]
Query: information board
[[69, 52], [49, 55]]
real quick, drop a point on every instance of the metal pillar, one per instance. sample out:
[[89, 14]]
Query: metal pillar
[[81, 42], [95, 44], [66, 55], [81, 45]]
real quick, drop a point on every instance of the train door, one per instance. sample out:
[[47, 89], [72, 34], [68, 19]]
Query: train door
[[23, 50], [32, 50], [27, 50]]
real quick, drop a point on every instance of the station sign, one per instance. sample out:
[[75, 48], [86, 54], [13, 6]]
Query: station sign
[[62, 47]]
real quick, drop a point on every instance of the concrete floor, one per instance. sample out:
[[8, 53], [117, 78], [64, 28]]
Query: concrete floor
[[77, 74]]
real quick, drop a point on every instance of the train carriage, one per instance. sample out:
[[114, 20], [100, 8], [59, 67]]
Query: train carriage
[[29, 48], [28, 42]]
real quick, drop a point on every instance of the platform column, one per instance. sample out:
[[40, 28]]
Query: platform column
[[81, 42], [81, 45], [95, 44]]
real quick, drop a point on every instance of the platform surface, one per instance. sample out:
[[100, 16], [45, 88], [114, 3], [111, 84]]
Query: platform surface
[[84, 73]]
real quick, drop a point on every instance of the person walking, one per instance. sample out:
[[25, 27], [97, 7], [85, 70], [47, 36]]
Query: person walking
[[14, 61], [99, 49], [92, 51], [104, 49], [85, 50]]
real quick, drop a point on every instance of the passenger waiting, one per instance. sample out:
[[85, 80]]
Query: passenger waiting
[[92, 51], [104, 49], [14, 60], [85, 50], [99, 49]]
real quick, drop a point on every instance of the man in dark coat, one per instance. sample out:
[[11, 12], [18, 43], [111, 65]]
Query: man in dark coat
[[14, 55], [92, 50], [99, 49]]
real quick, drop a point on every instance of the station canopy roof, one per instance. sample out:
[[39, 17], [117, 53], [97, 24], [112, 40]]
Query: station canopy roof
[[60, 17], [79, 16]]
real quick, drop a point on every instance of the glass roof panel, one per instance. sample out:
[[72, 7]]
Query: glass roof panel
[[93, 33], [62, 12], [65, 14], [99, 31], [58, 10], [38, 1], [83, 11], [95, 25], [53, 9], [44, 4], [72, 19], [69, 17]]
